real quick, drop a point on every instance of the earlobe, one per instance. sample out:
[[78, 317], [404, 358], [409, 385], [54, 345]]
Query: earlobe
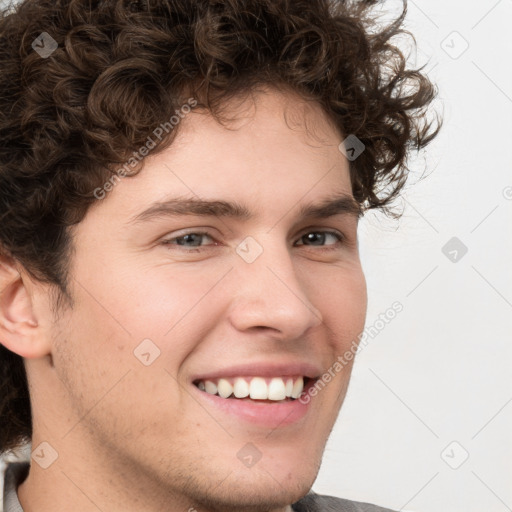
[[19, 329]]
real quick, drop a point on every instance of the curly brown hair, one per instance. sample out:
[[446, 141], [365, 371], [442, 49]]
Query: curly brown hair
[[122, 67]]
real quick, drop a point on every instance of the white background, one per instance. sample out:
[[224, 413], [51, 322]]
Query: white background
[[439, 372]]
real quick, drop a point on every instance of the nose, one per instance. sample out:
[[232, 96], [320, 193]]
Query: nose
[[270, 294]]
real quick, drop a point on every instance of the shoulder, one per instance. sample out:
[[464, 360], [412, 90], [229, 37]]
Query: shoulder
[[313, 502]]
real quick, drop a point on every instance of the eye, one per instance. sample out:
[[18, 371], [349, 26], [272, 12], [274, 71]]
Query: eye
[[319, 237], [192, 239]]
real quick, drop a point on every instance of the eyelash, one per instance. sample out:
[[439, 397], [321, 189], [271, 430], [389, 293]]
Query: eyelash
[[169, 242]]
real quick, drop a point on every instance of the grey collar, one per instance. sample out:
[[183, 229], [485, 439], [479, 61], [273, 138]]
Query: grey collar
[[15, 474]]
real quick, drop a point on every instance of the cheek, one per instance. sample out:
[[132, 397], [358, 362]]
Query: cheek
[[170, 302], [172, 306], [144, 300], [107, 385], [341, 296]]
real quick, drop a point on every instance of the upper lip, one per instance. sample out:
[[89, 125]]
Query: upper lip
[[263, 369]]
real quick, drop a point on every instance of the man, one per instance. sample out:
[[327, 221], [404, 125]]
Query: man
[[181, 183]]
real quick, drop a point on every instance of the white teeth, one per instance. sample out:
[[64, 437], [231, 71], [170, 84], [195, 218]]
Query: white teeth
[[224, 388], [298, 386], [258, 389], [210, 387], [289, 387], [241, 388], [276, 389]]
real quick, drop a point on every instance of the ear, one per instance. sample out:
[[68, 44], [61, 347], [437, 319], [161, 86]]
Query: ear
[[19, 328]]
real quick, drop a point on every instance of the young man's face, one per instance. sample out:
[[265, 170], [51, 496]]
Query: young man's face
[[280, 304]]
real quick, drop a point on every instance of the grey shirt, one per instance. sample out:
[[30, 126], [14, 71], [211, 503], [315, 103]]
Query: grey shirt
[[16, 472]]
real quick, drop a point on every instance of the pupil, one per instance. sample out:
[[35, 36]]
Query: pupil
[[318, 236], [186, 238]]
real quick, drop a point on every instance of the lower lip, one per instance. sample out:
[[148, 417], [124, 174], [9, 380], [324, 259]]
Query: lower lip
[[264, 414]]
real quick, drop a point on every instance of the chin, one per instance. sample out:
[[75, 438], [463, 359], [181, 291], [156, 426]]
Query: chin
[[261, 494], [267, 486]]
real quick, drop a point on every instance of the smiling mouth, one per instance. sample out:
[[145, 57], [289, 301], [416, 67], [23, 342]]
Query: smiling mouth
[[255, 389]]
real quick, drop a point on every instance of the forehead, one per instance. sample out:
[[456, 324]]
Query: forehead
[[275, 149], [263, 111]]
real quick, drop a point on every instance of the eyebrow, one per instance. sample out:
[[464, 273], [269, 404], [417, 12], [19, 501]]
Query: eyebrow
[[341, 204]]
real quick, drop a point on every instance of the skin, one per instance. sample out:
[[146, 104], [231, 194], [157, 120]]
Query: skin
[[128, 436]]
